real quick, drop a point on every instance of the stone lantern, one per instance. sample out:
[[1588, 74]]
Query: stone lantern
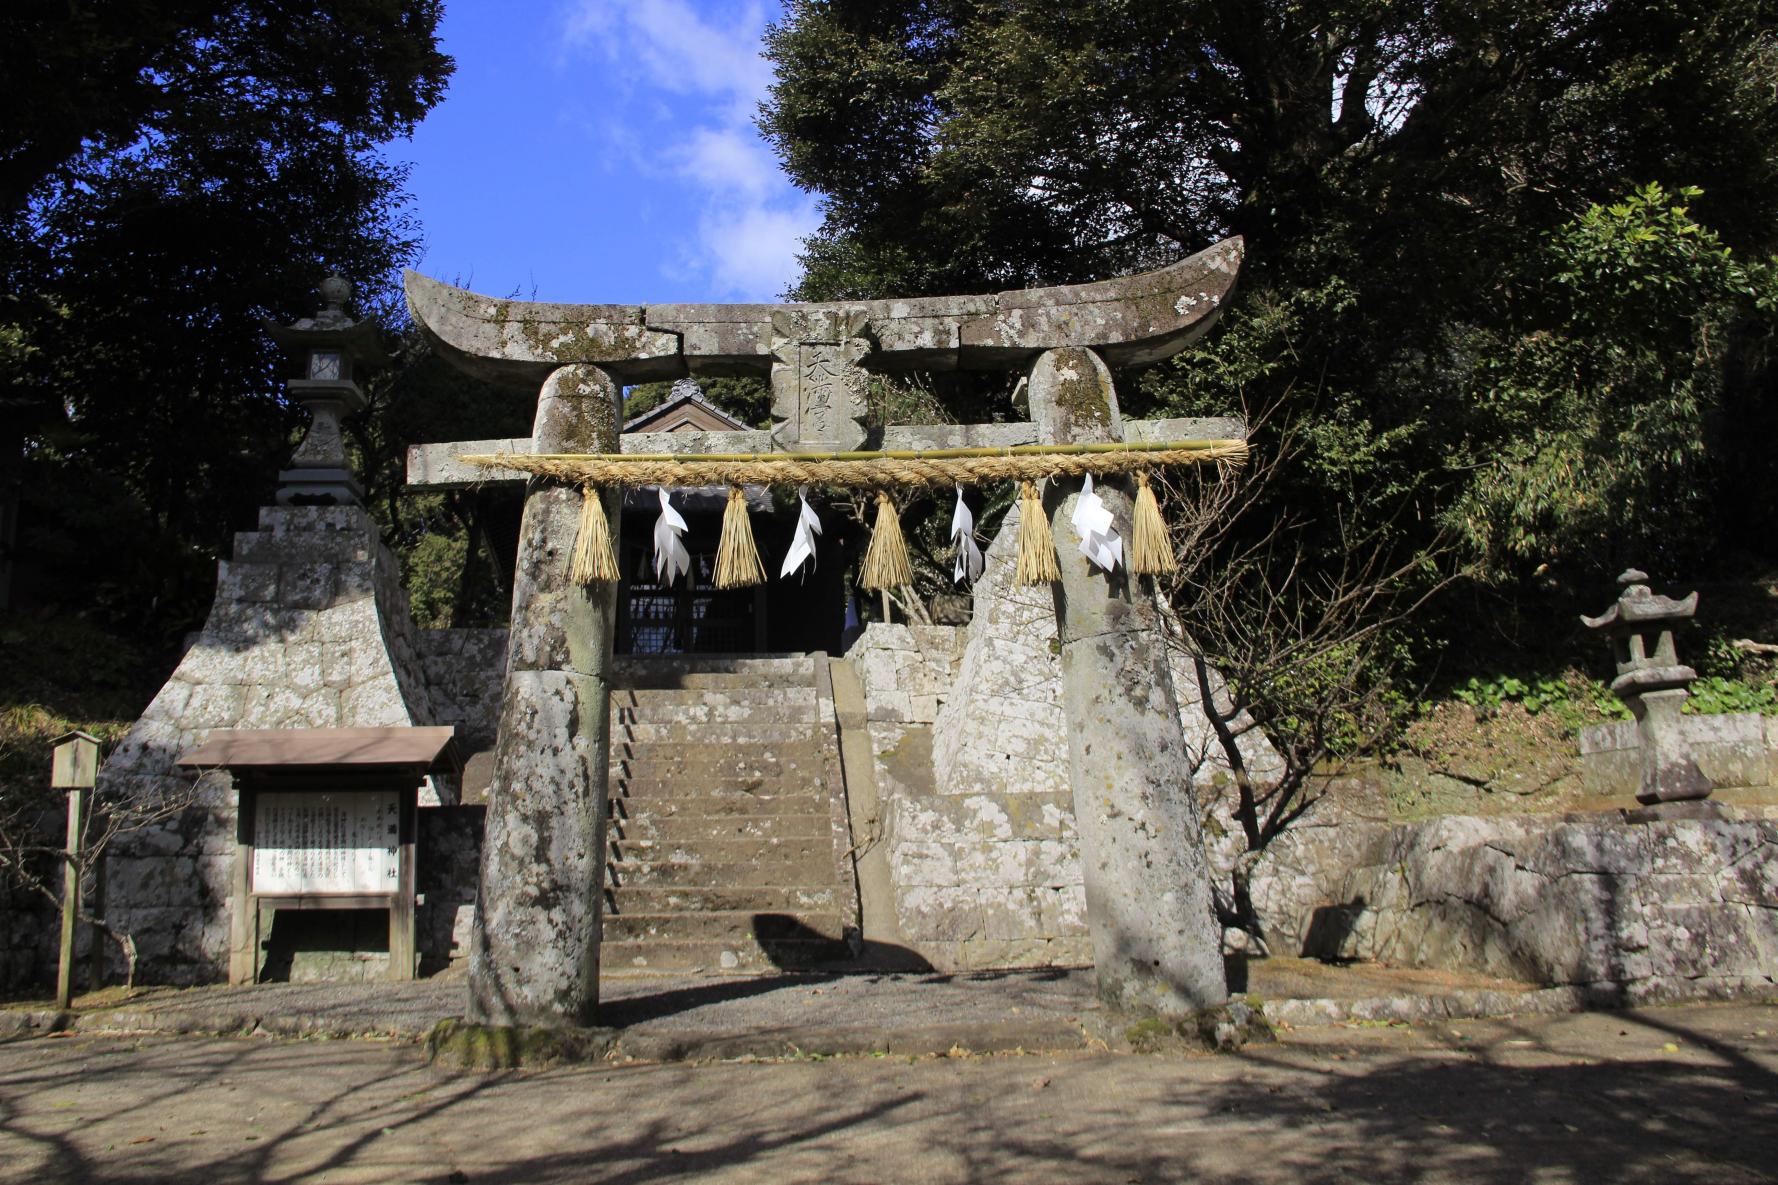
[[1652, 683], [331, 350]]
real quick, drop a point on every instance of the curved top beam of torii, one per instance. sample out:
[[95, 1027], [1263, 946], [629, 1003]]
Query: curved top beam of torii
[[1130, 321]]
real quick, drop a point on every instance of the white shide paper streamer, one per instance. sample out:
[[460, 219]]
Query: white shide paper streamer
[[802, 544], [969, 556], [1092, 522], [671, 560]]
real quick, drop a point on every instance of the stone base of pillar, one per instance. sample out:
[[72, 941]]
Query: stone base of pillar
[[1669, 773]]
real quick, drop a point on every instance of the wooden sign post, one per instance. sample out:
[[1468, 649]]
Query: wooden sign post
[[74, 768]]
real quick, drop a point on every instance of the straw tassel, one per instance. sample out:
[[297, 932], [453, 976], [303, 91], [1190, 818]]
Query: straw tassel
[[737, 559], [886, 560], [593, 561], [1151, 547], [1037, 549]]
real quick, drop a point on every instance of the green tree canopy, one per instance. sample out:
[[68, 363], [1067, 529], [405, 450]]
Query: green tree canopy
[[170, 174], [1462, 295]]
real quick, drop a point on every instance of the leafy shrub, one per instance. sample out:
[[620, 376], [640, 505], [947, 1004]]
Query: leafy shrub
[[1572, 698], [1715, 695]]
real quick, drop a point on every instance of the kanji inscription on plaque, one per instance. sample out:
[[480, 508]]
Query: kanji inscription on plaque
[[818, 383], [326, 843]]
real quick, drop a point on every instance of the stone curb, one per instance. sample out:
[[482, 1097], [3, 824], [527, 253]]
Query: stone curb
[[1456, 1005], [16, 1023], [1037, 1035], [638, 1044]]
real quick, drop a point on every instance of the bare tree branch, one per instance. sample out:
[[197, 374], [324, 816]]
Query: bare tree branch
[[1301, 643]]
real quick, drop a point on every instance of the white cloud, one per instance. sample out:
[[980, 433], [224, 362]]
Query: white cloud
[[750, 250], [752, 220], [673, 44], [729, 160]]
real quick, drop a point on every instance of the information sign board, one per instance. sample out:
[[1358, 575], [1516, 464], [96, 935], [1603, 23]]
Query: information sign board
[[306, 842]]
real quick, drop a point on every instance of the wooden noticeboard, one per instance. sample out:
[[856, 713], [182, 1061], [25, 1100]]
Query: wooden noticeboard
[[347, 846], [326, 819], [308, 842]]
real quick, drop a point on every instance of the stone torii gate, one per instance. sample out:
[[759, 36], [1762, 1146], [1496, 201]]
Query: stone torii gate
[[535, 955]]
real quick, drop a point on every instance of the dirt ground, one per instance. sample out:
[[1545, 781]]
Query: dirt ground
[[1657, 1095]]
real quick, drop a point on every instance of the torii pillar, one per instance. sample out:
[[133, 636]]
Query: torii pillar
[[534, 957], [1157, 947]]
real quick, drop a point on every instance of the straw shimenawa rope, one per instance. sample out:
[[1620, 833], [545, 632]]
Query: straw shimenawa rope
[[593, 561], [870, 471], [1151, 548], [886, 559], [1037, 546], [737, 559]]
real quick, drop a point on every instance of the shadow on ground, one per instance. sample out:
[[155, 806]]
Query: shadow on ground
[[1533, 1102]]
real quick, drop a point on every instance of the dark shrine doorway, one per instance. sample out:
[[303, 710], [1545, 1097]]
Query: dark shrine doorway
[[802, 612]]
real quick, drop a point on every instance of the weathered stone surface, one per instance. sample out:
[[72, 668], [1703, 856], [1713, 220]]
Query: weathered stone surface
[[1132, 320], [463, 670], [969, 741], [535, 958], [310, 628], [1631, 913], [1156, 942], [448, 859], [1732, 750], [440, 465]]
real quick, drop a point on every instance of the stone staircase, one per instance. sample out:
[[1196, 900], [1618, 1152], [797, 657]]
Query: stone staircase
[[722, 845]]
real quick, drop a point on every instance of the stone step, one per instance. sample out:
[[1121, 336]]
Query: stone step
[[652, 664], [701, 784], [645, 762], [736, 926], [716, 806], [708, 671], [766, 853], [721, 851], [688, 828], [656, 899], [694, 784], [678, 698], [655, 957], [706, 716], [716, 732], [813, 869], [714, 681]]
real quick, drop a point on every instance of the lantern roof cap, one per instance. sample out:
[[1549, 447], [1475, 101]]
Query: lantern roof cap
[[1638, 605], [333, 327]]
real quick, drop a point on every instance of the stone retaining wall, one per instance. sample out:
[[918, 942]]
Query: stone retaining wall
[[464, 671], [1738, 749], [310, 628], [448, 863], [985, 873], [30, 937], [971, 750], [1630, 912]]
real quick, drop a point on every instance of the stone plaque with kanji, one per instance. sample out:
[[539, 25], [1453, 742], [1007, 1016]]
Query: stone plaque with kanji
[[818, 386]]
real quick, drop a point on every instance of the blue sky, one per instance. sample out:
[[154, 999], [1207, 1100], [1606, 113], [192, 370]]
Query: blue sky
[[604, 150]]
